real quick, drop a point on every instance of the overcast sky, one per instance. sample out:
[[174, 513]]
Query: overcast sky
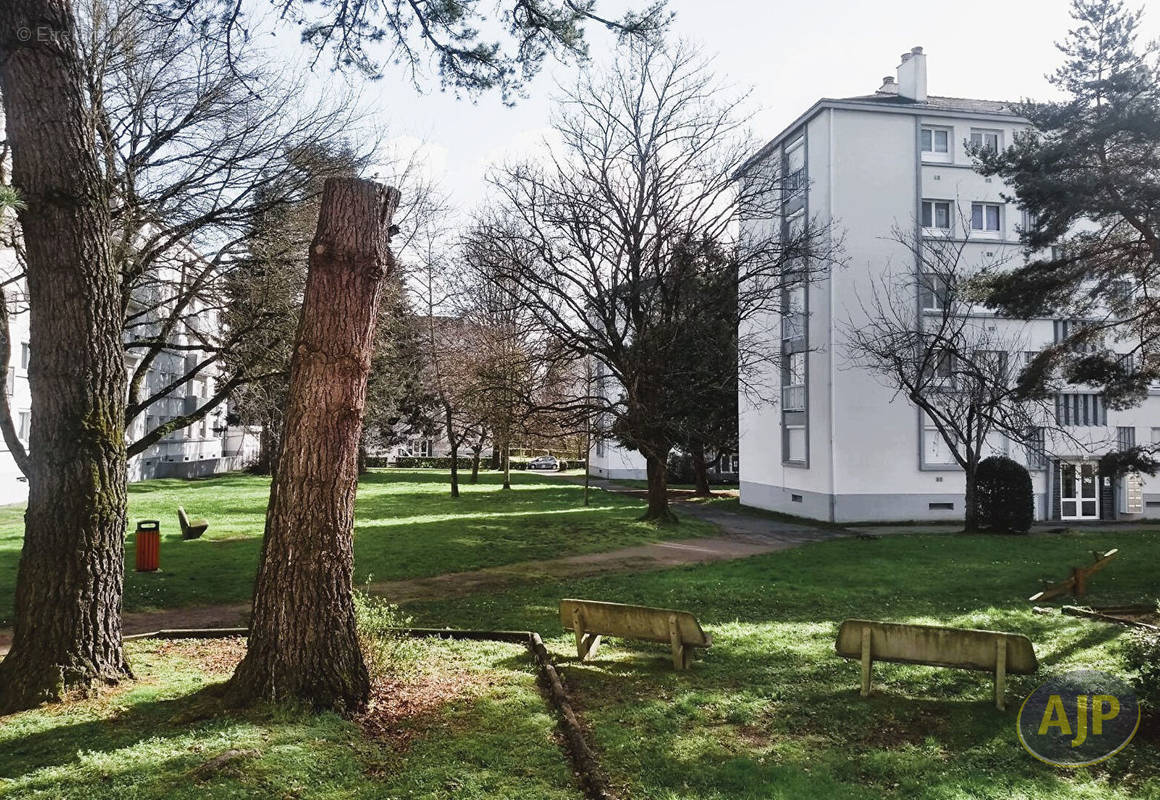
[[788, 53]]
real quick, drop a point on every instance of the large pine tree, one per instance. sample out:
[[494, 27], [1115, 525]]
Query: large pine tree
[[1088, 176]]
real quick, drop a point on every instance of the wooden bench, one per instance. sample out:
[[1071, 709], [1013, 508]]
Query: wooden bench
[[190, 528], [936, 646], [590, 619]]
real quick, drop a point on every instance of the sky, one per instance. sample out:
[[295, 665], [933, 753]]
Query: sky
[[788, 54]]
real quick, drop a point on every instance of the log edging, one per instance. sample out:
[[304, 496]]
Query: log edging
[[584, 762], [1089, 613]]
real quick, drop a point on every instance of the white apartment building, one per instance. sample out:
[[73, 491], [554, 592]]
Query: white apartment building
[[840, 445], [205, 448], [607, 459]]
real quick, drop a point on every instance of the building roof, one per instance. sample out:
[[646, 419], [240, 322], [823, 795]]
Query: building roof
[[889, 101], [932, 103]]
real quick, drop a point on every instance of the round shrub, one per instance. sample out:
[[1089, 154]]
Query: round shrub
[[1003, 497]]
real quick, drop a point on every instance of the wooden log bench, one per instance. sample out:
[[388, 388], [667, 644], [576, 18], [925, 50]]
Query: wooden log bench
[[591, 619], [937, 646], [190, 528]]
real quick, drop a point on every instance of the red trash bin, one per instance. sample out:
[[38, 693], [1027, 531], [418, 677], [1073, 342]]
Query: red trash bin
[[148, 545]]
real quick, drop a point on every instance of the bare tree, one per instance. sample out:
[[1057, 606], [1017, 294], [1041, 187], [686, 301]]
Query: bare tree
[[646, 162], [959, 368], [521, 375]]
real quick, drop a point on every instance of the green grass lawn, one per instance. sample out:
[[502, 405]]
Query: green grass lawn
[[770, 711], [406, 525], [475, 727]]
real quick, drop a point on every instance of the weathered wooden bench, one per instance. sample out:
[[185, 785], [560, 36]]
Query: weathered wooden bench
[[937, 646], [190, 528], [590, 619]]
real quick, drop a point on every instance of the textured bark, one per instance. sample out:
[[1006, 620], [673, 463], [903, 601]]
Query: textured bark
[[475, 453], [658, 490], [971, 511], [700, 473], [67, 632], [303, 637]]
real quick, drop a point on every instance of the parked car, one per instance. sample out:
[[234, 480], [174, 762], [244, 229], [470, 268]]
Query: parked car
[[544, 462]]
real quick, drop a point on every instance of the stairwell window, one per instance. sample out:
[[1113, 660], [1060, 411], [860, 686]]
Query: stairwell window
[[936, 215], [25, 425], [793, 389], [986, 217], [1082, 410]]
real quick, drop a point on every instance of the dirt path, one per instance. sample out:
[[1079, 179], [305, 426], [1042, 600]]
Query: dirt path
[[743, 535]]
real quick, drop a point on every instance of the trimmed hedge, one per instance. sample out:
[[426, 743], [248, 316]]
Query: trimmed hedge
[[419, 462], [1003, 498], [444, 462]]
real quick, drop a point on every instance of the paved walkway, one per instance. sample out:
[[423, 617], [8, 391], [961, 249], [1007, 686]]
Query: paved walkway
[[742, 535]]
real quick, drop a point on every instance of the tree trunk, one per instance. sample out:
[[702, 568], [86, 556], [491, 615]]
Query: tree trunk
[[971, 512], [362, 461], [658, 491], [67, 631], [303, 637], [475, 452], [700, 472], [495, 459], [507, 467], [454, 470]]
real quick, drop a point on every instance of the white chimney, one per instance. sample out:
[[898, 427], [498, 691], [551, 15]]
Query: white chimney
[[912, 75], [888, 86]]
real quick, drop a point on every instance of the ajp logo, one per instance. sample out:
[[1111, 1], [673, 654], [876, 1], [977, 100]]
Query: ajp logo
[[1078, 718]]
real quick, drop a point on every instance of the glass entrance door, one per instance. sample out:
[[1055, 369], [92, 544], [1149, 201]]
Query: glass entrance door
[[1079, 491]]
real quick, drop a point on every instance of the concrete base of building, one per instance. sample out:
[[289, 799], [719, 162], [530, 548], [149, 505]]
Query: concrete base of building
[[861, 507], [618, 474]]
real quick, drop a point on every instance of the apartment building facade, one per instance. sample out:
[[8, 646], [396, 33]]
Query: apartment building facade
[[841, 445], [207, 447]]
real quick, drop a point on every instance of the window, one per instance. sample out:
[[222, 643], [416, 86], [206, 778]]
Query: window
[[936, 214], [793, 389], [1156, 436], [25, 423], [986, 140], [793, 320], [1085, 410], [794, 170], [943, 368], [934, 448], [11, 386], [985, 217], [933, 292], [25, 352], [1125, 438], [936, 144], [1037, 448], [795, 443], [600, 446]]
